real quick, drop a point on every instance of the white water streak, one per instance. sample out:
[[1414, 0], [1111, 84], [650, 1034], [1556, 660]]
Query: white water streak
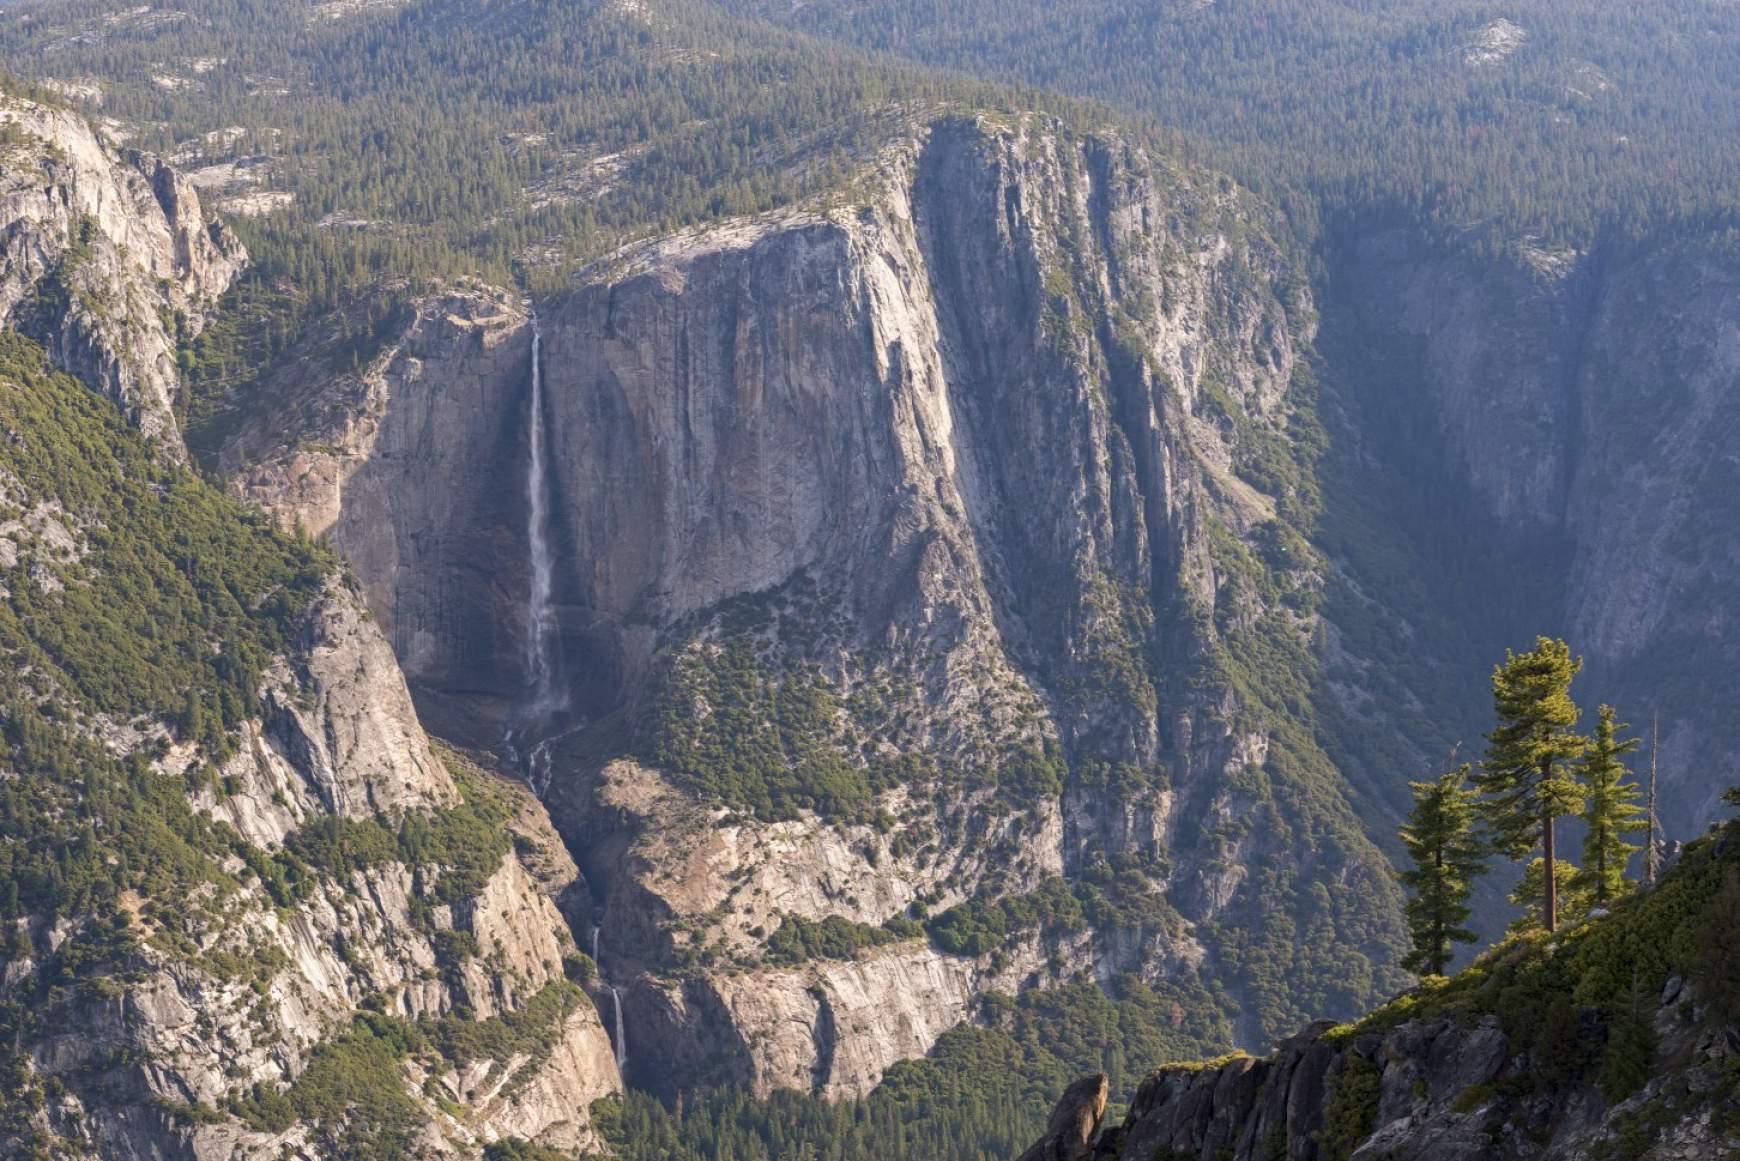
[[540, 613], [621, 1036]]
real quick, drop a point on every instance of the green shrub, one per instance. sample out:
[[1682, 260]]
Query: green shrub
[[979, 927], [518, 1149], [1353, 1104], [352, 1093], [798, 939], [730, 730]]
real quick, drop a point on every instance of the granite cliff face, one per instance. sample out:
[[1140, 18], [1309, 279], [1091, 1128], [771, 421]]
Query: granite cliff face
[[984, 461], [105, 259], [1568, 414], [412, 466]]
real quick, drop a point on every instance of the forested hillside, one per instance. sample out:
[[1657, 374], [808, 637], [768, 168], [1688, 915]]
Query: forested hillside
[[505, 138], [220, 594], [217, 809]]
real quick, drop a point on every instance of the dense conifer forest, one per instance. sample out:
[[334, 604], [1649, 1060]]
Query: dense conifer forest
[[1565, 121], [506, 139]]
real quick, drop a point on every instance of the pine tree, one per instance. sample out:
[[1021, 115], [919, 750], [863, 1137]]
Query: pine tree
[[1525, 778], [1446, 856], [1610, 810]]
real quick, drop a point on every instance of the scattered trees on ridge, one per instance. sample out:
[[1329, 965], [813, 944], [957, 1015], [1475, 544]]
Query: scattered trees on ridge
[[1537, 769]]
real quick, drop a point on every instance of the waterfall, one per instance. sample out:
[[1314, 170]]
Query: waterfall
[[540, 616], [530, 739], [621, 1037], [621, 1040]]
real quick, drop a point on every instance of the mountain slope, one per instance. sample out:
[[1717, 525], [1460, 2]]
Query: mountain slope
[[247, 907], [1002, 573], [1483, 121], [1521, 244], [1532, 441]]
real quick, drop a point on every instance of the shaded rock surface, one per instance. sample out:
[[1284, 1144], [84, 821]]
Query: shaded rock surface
[[411, 466], [1074, 1123], [1564, 415]]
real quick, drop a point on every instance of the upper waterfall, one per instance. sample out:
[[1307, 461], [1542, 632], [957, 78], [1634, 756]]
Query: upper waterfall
[[540, 613], [545, 699]]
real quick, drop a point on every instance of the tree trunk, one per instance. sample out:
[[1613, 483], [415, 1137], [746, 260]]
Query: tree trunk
[[1550, 900], [1440, 952], [1601, 871]]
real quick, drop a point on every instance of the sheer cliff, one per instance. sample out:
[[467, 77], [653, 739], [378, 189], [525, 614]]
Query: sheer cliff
[[922, 552]]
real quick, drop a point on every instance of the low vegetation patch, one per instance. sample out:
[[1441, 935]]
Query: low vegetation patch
[[798, 939]]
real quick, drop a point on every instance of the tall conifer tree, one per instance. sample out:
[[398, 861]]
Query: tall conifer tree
[[1446, 857], [1610, 810], [1525, 780]]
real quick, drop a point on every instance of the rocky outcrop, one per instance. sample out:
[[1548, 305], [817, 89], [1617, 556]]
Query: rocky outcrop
[[690, 862], [1075, 1121], [1430, 1090], [1586, 1046], [338, 736], [830, 1027], [687, 879], [105, 259]]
